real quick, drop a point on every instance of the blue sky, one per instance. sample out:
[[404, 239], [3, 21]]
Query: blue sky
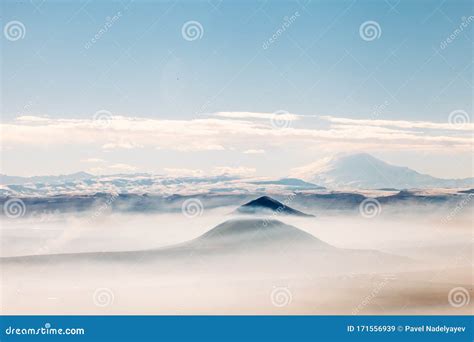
[[319, 66]]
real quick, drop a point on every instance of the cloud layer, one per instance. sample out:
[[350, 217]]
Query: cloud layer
[[250, 133]]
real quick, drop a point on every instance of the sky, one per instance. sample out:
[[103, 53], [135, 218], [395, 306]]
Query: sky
[[254, 86]]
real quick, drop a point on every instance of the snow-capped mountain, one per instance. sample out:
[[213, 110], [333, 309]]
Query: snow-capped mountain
[[82, 183], [357, 171], [4, 179], [363, 171]]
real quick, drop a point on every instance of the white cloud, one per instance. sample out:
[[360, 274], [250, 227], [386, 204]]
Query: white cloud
[[92, 160], [120, 144], [122, 167], [30, 118], [112, 168], [183, 172], [254, 152], [253, 115], [240, 171], [216, 134], [401, 124]]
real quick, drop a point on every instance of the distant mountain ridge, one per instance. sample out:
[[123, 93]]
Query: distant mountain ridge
[[4, 179], [290, 182], [318, 204], [82, 183], [363, 171], [356, 171]]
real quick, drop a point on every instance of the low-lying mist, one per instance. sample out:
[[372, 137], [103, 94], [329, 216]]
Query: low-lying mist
[[175, 263], [409, 233]]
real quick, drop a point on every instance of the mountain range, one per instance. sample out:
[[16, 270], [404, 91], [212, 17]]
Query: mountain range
[[4, 179], [303, 204], [356, 171]]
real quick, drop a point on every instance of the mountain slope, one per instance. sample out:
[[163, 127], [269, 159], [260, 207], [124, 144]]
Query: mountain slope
[[367, 172], [239, 247], [268, 205], [232, 236], [257, 233]]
